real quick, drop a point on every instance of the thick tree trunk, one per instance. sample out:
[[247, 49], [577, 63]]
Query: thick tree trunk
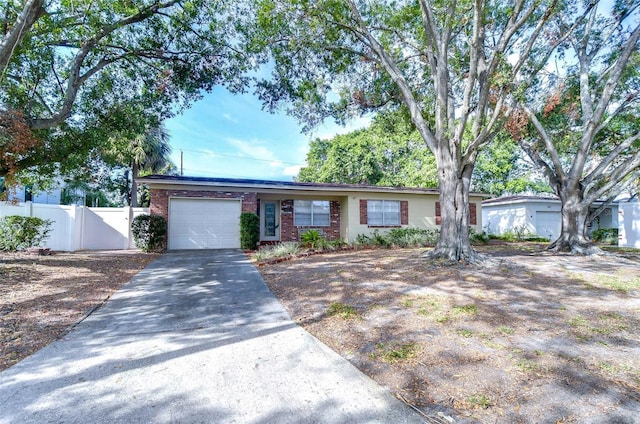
[[573, 237], [454, 244]]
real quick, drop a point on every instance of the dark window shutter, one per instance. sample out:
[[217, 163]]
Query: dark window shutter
[[473, 215], [363, 211], [404, 212], [438, 217]]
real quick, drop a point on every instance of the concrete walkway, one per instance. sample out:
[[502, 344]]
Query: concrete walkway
[[196, 337]]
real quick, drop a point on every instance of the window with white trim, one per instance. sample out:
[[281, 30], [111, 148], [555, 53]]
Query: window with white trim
[[383, 212], [311, 213]]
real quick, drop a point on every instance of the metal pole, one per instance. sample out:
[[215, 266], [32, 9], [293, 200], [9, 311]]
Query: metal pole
[[181, 162]]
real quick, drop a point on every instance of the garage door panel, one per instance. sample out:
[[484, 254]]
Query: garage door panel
[[204, 224]]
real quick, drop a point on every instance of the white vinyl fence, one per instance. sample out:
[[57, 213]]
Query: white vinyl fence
[[629, 225], [79, 227]]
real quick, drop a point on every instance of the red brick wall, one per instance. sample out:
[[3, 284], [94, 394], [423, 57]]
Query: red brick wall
[[160, 199], [291, 232]]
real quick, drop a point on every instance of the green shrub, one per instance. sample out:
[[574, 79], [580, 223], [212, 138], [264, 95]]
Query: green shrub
[[312, 239], [249, 230], [149, 233], [400, 237], [478, 238], [23, 232], [605, 235]]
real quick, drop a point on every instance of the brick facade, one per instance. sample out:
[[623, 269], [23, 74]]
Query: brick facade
[[290, 232], [160, 199], [250, 203]]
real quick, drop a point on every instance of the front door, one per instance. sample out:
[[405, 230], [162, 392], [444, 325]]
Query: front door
[[270, 220]]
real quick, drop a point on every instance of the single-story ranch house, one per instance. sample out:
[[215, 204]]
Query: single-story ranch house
[[204, 213]]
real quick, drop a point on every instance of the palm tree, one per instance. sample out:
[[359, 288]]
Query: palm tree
[[149, 154]]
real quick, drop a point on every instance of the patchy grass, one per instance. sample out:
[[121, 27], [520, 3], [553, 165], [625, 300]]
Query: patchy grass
[[512, 341], [479, 400], [468, 310], [343, 311], [505, 330], [395, 351]]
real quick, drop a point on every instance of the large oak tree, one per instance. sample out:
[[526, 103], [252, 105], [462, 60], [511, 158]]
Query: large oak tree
[[455, 66], [580, 125]]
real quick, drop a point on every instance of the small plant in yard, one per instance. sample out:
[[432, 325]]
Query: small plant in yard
[[343, 311], [23, 232], [280, 250], [465, 333], [149, 233], [312, 239], [470, 309], [394, 352], [526, 365], [506, 330], [479, 400]]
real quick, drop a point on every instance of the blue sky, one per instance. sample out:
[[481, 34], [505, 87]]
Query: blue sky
[[229, 135]]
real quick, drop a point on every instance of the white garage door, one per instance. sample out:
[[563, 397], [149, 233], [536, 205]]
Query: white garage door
[[548, 224], [204, 224]]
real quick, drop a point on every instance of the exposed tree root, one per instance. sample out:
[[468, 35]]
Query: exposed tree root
[[584, 248], [454, 257]]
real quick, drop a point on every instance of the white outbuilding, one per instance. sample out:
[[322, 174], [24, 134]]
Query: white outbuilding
[[629, 224], [535, 215]]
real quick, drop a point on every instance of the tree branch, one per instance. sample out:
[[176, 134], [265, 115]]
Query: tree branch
[[548, 143], [75, 80], [31, 12]]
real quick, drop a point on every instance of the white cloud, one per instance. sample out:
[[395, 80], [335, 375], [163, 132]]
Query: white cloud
[[292, 171], [230, 118], [252, 149]]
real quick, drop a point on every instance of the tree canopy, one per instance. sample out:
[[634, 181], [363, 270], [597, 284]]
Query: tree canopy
[[390, 152], [455, 66], [73, 72]]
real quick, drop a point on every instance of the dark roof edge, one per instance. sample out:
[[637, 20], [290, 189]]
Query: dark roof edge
[[292, 185]]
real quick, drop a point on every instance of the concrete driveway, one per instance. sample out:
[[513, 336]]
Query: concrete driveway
[[196, 337]]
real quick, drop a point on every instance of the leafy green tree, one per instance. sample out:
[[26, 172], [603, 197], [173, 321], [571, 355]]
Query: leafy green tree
[[455, 66], [390, 153], [80, 70], [501, 169], [585, 134], [387, 153]]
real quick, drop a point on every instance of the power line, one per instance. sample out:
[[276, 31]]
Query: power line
[[224, 174], [241, 157]]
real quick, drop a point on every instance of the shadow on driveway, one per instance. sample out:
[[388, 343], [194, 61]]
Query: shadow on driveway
[[194, 337]]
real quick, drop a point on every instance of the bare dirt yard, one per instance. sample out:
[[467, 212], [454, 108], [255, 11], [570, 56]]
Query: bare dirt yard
[[534, 338], [41, 297]]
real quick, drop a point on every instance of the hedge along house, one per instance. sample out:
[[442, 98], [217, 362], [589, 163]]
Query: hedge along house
[[204, 213]]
